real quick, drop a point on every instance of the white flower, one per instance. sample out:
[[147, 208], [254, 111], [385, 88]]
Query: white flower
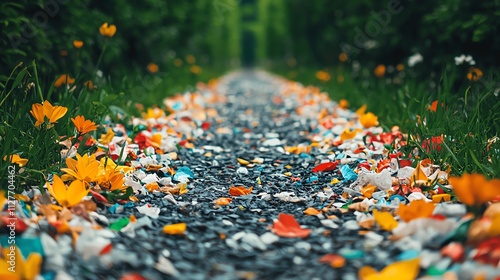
[[414, 59], [464, 58]]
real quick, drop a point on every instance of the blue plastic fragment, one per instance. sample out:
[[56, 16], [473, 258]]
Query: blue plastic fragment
[[312, 179], [339, 156], [408, 255], [396, 196], [129, 204], [382, 201], [348, 173], [115, 207], [304, 155], [26, 245], [183, 172]]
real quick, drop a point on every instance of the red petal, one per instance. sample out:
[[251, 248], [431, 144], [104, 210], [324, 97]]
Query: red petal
[[106, 249], [326, 166], [287, 226], [98, 197], [132, 276]]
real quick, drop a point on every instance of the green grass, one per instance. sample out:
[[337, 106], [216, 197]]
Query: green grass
[[467, 117]]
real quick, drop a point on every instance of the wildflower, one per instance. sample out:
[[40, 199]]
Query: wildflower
[[178, 62], [152, 67], [88, 84], [84, 168], [153, 113], [67, 196], [52, 113], [434, 105], [108, 137], [64, 79], [323, 76], [464, 59], [402, 270], [24, 269], [190, 59], [379, 71], [416, 209], [432, 144], [107, 30], [195, 69], [400, 67], [16, 159], [112, 180], [474, 74], [344, 104], [343, 57], [414, 59], [82, 125], [474, 189], [78, 44], [361, 111], [368, 120]]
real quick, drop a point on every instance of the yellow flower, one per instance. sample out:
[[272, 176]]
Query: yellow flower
[[402, 270], [195, 69], [343, 57], [153, 113], [84, 168], [348, 134], [174, 229], [379, 71], [178, 62], [82, 125], [474, 189], [109, 164], [190, 59], [24, 269], [323, 76], [474, 74], [416, 209], [368, 120], [16, 159], [107, 30], [64, 79], [106, 138], [78, 44], [112, 180], [53, 113], [67, 196], [152, 67], [361, 111]]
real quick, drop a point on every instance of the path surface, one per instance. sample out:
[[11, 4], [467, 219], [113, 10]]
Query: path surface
[[258, 121]]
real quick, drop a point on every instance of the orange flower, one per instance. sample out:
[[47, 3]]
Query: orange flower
[[343, 57], [178, 62], [344, 104], [368, 120], [67, 196], [434, 105], [107, 30], [379, 71], [89, 84], [474, 74], [64, 79], [416, 209], [28, 268], [78, 44], [323, 76], [82, 125], [400, 67], [52, 113], [474, 189], [16, 159], [152, 67], [195, 69], [361, 111], [190, 59]]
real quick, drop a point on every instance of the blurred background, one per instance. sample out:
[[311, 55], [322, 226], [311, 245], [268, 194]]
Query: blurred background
[[279, 33]]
